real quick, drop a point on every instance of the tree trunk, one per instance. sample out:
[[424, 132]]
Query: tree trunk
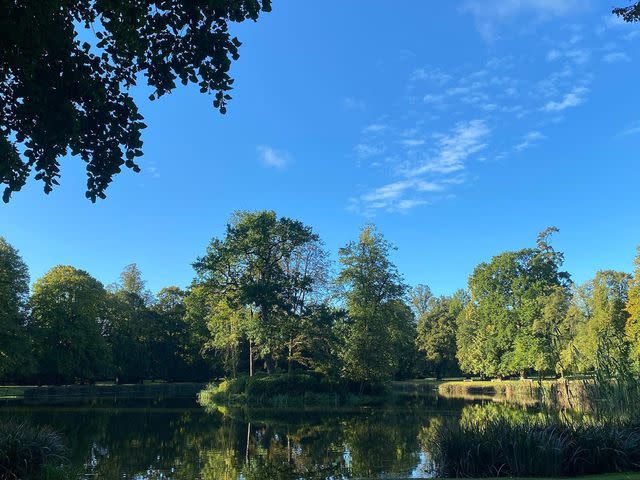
[[246, 452], [250, 358]]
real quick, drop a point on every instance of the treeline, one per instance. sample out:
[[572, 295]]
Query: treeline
[[522, 315], [72, 329], [267, 299]]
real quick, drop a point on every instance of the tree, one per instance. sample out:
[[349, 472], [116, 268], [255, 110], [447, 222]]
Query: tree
[[68, 311], [66, 69], [251, 269], [14, 295], [306, 323], [436, 331], [633, 310], [373, 287], [226, 326], [500, 332], [550, 329], [130, 326], [600, 330], [176, 345]]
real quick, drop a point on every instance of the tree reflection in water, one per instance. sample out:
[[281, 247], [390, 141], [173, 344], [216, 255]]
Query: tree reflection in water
[[154, 442]]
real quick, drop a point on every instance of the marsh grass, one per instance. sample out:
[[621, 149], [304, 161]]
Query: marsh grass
[[25, 450], [544, 448]]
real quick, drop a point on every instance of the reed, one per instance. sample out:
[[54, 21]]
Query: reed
[[537, 447], [26, 449]]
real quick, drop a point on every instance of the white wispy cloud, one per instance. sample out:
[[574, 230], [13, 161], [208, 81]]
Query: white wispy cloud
[[353, 103], [632, 35], [571, 99], [615, 57], [270, 157], [466, 139], [367, 150], [445, 159], [395, 190], [633, 129], [411, 142], [374, 128], [576, 55], [432, 74], [489, 14], [485, 111], [404, 206], [529, 140]]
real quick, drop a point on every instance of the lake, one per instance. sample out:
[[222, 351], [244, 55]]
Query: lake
[[167, 437]]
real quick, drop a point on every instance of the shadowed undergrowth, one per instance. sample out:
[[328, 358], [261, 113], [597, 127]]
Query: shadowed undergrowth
[[26, 449]]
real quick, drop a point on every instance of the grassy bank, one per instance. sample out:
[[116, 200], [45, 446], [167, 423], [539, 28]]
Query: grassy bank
[[520, 391], [290, 390]]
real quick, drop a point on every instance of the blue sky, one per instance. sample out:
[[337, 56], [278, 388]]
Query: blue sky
[[460, 128]]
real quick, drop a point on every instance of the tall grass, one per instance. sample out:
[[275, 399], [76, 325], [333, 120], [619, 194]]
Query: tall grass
[[25, 449], [500, 448]]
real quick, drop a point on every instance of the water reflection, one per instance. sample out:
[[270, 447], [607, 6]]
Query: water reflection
[[156, 441]]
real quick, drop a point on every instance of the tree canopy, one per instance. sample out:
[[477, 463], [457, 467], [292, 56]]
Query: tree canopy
[[266, 299], [68, 319], [499, 332], [14, 295], [436, 329], [377, 315], [633, 310], [262, 274], [67, 68]]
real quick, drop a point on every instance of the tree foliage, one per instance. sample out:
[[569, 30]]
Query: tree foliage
[[68, 315], [601, 317], [436, 329], [14, 295], [501, 331], [66, 69], [262, 276], [630, 13], [633, 310], [264, 300], [377, 315]]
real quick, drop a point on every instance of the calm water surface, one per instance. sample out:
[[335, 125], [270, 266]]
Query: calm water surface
[[178, 439]]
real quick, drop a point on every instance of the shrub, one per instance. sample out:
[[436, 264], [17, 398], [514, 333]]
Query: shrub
[[291, 385]]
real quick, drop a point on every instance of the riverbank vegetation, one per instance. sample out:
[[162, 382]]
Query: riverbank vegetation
[[266, 298], [26, 449], [544, 446]]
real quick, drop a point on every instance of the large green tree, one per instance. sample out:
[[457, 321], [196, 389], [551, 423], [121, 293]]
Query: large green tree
[[253, 270], [66, 68], [68, 315], [601, 317], [436, 330], [373, 295], [501, 331], [131, 325], [14, 295], [175, 345], [633, 309]]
